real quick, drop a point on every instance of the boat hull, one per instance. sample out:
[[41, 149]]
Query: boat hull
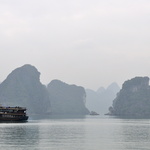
[[22, 118]]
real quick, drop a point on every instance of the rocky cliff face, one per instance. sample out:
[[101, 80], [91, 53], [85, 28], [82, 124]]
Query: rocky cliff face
[[133, 99], [67, 99], [101, 99], [22, 87]]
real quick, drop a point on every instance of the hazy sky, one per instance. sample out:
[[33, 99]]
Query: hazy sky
[[91, 43]]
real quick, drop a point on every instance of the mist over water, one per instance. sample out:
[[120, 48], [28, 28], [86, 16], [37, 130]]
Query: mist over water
[[89, 133]]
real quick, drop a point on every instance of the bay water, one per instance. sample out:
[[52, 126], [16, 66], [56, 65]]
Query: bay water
[[76, 133]]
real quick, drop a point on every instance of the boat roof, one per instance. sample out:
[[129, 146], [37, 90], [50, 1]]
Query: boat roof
[[13, 108]]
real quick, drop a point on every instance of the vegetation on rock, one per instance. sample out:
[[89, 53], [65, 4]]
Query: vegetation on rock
[[22, 87], [67, 99], [133, 99]]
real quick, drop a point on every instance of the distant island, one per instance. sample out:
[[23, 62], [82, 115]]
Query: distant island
[[23, 88], [133, 99], [67, 99], [101, 99]]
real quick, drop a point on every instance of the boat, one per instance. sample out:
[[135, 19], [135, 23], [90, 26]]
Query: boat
[[93, 113], [13, 114]]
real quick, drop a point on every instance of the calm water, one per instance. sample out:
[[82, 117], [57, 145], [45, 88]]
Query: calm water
[[89, 133]]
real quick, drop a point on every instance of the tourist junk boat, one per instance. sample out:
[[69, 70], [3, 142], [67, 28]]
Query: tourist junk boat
[[13, 114]]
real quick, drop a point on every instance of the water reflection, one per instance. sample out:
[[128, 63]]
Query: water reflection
[[18, 136], [136, 131], [63, 135], [39, 117], [131, 117], [91, 133]]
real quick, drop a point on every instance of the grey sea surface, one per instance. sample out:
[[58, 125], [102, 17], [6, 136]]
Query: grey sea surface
[[76, 133]]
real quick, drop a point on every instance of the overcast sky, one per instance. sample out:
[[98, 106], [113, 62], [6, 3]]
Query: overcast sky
[[90, 43]]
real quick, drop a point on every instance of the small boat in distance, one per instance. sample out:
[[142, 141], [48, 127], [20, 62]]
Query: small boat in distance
[[13, 114], [93, 113]]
